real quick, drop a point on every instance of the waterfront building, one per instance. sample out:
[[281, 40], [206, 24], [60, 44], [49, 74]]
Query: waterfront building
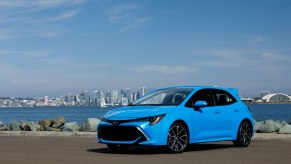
[[113, 97], [45, 100], [128, 95], [248, 100], [124, 101], [141, 92], [264, 93], [276, 98]]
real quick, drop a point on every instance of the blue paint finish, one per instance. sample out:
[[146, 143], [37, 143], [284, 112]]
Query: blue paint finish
[[206, 124]]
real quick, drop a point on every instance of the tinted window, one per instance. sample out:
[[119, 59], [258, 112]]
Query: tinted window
[[201, 95], [222, 97]]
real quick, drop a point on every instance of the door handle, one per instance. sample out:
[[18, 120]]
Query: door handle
[[236, 110], [217, 112]]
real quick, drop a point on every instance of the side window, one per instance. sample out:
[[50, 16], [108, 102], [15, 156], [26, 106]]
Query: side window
[[222, 97], [201, 95]]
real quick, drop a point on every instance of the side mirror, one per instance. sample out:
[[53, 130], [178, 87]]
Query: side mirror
[[200, 104]]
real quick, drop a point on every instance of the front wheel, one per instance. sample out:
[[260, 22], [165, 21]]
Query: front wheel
[[118, 148], [244, 135], [178, 138]]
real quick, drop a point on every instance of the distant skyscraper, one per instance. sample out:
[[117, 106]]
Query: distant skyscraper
[[46, 100], [141, 91], [128, 94], [113, 96]]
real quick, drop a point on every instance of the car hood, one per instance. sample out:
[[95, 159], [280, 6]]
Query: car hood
[[133, 112]]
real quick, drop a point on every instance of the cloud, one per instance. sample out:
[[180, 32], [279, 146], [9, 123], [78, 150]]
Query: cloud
[[163, 69], [6, 34], [37, 4], [241, 60], [136, 23], [127, 16], [32, 54], [271, 56], [62, 16], [42, 18], [122, 10], [256, 39]]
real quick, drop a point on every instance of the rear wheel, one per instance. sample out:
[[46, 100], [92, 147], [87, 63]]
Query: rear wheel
[[118, 148], [244, 135], [178, 138]]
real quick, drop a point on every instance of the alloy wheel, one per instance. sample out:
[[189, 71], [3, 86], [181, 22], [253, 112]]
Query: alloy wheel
[[244, 135], [177, 138]]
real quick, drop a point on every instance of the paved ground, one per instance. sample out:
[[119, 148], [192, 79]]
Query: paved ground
[[82, 150]]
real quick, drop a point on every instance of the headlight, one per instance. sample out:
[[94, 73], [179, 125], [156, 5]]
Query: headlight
[[101, 118], [153, 120]]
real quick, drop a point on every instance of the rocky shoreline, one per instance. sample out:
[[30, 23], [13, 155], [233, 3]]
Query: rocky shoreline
[[59, 125], [271, 126]]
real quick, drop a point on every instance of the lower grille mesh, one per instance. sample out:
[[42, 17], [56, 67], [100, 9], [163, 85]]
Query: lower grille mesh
[[119, 133]]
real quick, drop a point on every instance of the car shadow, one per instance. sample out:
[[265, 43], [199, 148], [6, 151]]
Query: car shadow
[[138, 150]]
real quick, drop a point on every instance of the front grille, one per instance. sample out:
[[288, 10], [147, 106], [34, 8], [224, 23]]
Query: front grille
[[119, 133]]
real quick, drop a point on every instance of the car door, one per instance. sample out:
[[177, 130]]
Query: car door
[[206, 120], [228, 111]]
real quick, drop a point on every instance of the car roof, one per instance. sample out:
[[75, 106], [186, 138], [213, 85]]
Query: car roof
[[233, 90], [191, 87]]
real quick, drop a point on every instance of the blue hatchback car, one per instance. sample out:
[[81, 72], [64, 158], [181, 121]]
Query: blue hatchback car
[[175, 117]]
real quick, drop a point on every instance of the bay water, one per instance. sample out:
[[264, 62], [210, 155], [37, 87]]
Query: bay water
[[80, 114]]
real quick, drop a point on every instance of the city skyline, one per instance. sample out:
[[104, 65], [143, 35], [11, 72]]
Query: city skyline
[[55, 47]]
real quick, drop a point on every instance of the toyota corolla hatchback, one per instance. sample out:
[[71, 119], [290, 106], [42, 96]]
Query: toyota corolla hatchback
[[176, 117]]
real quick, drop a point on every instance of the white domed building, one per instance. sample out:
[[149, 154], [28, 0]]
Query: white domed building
[[276, 98]]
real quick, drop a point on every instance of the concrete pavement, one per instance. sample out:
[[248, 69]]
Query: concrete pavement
[[84, 149]]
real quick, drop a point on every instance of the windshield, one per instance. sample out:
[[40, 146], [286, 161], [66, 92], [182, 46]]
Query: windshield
[[164, 97]]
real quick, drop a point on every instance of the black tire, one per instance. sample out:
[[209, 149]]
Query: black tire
[[244, 134], [178, 138], [118, 148]]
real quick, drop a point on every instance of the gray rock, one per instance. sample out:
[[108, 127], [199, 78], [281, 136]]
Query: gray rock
[[31, 126], [284, 123], [270, 126], [90, 125], [2, 123], [286, 129], [58, 122], [4, 127], [15, 126], [23, 127], [82, 127], [258, 125], [71, 127], [45, 124]]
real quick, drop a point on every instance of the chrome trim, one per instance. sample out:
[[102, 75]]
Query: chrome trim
[[142, 133]]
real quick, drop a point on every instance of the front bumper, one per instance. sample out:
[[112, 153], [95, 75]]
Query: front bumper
[[133, 133]]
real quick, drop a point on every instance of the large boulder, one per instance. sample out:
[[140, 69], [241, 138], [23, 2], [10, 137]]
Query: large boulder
[[269, 126], [90, 125], [58, 122], [31, 126], [45, 124], [71, 127], [4, 127], [286, 129], [258, 125], [14, 126], [23, 127]]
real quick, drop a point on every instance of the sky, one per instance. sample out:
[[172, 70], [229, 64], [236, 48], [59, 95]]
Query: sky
[[52, 47]]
